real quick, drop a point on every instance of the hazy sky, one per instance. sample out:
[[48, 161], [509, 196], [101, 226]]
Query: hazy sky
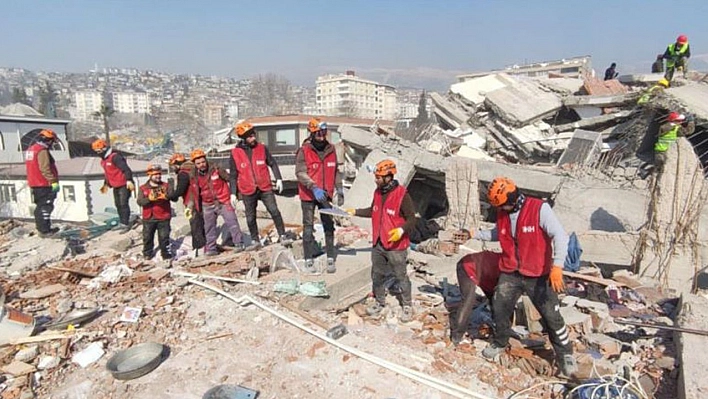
[[302, 39]]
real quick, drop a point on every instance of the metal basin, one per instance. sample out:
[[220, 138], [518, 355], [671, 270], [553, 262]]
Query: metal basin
[[137, 360]]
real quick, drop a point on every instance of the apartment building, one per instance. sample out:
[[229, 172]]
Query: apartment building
[[574, 67], [87, 102], [348, 95], [213, 114], [131, 102]]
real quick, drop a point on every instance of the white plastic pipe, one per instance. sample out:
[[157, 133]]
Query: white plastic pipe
[[443, 386]]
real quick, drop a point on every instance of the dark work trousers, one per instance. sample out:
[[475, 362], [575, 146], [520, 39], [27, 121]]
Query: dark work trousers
[[510, 287], [121, 195], [44, 201], [386, 264], [196, 227], [163, 238], [250, 203], [469, 299], [308, 234], [211, 213]]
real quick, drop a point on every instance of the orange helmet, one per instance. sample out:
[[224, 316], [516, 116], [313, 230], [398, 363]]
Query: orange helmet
[[154, 169], [500, 190], [196, 154], [682, 39], [385, 168], [243, 128], [177, 158], [48, 134], [99, 144], [316, 125]]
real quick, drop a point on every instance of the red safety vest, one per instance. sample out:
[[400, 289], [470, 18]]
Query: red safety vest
[[321, 171], [156, 210], [530, 253], [212, 188], [114, 176], [252, 173], [35, 178], [386, 217], [483, 269], [190, 199]]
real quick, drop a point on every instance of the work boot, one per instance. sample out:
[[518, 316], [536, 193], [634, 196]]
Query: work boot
[[310, 267], [238, 248], [493, 350], [375, 309], [209, 254], [407, 314], [285, 240], [123, 228], [331, 268], [567, 365]]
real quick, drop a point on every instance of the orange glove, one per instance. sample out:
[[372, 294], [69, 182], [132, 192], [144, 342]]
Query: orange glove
[[104, 189], [556, 278], [394, 235]]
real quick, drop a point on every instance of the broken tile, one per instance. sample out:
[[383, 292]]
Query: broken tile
[[42, 292], [18, 368]]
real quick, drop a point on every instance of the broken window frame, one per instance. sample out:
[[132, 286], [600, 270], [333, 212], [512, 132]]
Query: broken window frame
[[8, 193]]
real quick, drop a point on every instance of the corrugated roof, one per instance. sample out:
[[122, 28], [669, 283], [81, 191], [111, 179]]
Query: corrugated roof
[[78, 167]]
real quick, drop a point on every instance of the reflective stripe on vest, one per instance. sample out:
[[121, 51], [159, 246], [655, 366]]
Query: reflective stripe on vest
[[114, 176], [212, 188], [386, 216], [35, 178], [666, 139], [529, 252], [252, 173], [321, 171], [675, 55], [156, 210]]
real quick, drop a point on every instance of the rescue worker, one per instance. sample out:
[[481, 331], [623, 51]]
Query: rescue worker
[[250, 180], [117, 176], [658, 65], [676, 56], [43, 180], [153, 196], [653, 91], [318, 178], [392, 216], [216, 200], [611, 72], [676, 125], [189, 192], [534, 246]]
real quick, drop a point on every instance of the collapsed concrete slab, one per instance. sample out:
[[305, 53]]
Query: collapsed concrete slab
[[595, 205], [473, 91], [590, 123], [362, 190], [563, 86], [605, 248], [600, 101], [523, 102], [449, 112], [693, 97], [641, 78], [595, 86]]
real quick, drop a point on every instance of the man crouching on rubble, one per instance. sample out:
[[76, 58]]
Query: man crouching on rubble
[[392, 216], [534, 246]]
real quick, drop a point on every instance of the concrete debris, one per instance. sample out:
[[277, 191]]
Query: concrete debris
[[462, 189], [597, 87], [583, 149], [474, 91], [523, 102], [594, 122]]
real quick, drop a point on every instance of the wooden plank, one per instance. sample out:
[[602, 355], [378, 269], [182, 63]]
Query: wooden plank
[[596, 280]]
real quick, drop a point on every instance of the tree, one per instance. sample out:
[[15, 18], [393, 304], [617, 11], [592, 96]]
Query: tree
[[20, 96], [270, 94], [104, 113], [349, 108], [47, 99]]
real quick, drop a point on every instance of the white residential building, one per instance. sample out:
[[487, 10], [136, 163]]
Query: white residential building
[[349, 95], [407, 111], [131, 102], [87, 102]]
